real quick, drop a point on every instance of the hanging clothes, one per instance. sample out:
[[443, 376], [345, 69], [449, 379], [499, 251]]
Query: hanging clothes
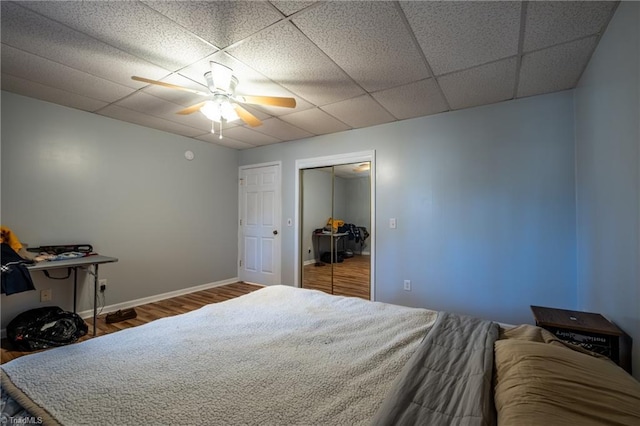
[[15, 276]]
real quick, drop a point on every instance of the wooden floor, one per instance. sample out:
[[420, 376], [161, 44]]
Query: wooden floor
[[350, 278], [153, 311]]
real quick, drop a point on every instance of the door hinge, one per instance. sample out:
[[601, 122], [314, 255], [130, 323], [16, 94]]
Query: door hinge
[[240, 222], [241, 181], [241, 263]]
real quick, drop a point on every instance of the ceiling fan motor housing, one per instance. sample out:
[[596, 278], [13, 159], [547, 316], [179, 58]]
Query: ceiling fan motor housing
[[222, 81]]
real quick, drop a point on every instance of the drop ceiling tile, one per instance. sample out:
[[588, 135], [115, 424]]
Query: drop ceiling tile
[[225, 141], [33, 33], [246, 135], [556, 68], [291, 7], [235, 19], [459, 35], [552, 22], [482, 85], [412, 100], [315, 121], [129, 26], [24, 87], [358, 112], [40, 70], [151, 105], [281, 130], [135, 117], [283, 54], [375, 59], [251, 82]]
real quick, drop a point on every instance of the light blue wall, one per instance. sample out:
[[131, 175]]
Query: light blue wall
[[73, 177], [607, 109], [484, 200]]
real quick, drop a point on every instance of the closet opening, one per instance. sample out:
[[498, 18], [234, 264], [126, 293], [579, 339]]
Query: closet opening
[[335, 199]]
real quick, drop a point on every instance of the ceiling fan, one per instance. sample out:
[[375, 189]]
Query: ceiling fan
[[223, 104]]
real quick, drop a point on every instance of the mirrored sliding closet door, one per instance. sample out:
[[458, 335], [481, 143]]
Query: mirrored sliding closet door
[[336, 220]]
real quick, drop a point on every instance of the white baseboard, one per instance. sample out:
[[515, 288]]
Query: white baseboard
[[151, 299], [158, 297]]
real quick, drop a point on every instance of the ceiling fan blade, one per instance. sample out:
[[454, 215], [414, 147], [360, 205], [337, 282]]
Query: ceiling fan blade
[[246, 116], [191, 109], [168, 85], [268, 100]]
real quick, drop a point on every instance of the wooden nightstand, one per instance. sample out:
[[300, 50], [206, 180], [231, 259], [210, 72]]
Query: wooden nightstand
[[591, 331]]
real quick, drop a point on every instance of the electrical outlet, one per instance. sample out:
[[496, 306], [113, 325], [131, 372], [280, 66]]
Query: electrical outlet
[[103, 285], [407, 285], [45, 295]]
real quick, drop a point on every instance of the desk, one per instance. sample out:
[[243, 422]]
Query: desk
[[336, 237], [80, 262]]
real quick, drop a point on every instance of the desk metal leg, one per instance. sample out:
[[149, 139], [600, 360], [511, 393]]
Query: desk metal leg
[[95, 299], [75, 289]]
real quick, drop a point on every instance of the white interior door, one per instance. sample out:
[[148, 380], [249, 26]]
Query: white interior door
[[260, 225]]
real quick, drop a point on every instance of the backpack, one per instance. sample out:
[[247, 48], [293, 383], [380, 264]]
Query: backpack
[[338, 257], [45, 327]]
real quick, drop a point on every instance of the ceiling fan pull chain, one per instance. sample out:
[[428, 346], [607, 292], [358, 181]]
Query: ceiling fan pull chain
[[220, 137], [213, 129]]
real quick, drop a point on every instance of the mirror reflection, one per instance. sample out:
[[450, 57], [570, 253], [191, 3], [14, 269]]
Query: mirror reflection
[[336, 219]]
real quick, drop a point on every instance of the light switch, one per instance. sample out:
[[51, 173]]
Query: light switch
[[392, 223]]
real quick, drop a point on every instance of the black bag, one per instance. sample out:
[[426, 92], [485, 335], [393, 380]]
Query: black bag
[[44, 328], [337, 257]]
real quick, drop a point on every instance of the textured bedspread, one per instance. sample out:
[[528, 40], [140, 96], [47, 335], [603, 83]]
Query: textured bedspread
[[276, 356]]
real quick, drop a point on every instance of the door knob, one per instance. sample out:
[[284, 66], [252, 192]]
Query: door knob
[[275, 232]]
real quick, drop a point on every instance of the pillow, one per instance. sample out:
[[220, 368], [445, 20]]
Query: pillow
[[538, 383], [532, 333], [529, 333]]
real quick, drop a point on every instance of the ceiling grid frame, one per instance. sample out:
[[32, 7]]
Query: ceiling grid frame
[[571, 30]]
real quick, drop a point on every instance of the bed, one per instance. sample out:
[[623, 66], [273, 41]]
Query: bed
[[283, 356]]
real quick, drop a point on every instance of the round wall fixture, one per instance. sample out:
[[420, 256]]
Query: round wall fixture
[[189, 155]]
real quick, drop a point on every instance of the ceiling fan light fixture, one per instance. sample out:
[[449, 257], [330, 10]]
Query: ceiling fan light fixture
[[219, 111], [363, 167]]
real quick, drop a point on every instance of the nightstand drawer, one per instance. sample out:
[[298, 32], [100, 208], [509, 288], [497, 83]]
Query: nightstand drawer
[[591, 331], [598, 343]]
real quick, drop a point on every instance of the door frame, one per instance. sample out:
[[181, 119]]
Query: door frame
[[278, 275], [334, 160]]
